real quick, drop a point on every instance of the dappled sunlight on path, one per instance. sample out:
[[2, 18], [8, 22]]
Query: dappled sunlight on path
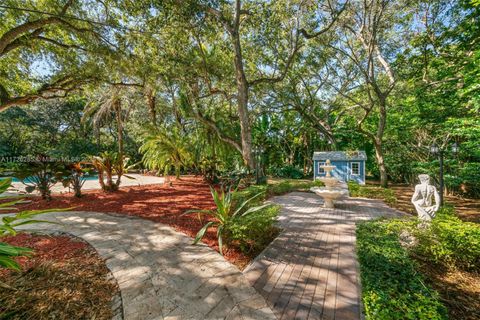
[[160, 274]]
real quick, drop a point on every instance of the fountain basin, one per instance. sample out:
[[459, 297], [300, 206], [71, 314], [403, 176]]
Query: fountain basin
[[329, 195], [330, 182]]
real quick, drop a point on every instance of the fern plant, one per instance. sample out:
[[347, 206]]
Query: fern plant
[[225, 215]]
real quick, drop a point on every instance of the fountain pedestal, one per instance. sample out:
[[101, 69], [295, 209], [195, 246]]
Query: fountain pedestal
[[334, 188]]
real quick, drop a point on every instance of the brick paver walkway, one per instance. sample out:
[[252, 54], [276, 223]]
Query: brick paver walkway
[[160, 274], [310, 271]]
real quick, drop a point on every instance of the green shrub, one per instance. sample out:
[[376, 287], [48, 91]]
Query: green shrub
[[387, 195], [287, 171], [255, 231], [227, 212], [449, 241], [391, 287], [279, 188], [273, 189], [243, 195]]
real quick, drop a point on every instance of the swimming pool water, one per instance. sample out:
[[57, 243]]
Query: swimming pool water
[[88, 177]]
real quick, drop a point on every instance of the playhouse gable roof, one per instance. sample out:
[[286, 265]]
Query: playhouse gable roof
[[340, 155]]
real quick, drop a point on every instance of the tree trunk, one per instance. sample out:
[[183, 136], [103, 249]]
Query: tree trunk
[[109, 185], [151, 102], [381, 163], [242, 101], [100, 178], [382, 123], [119, 164]]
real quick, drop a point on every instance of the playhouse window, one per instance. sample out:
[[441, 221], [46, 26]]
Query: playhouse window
[[355, 167], [321, 170]]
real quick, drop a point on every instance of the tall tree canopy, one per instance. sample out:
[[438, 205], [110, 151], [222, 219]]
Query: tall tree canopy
[[247, 81]]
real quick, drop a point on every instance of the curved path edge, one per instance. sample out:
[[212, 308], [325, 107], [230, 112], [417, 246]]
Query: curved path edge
[[161, 275]]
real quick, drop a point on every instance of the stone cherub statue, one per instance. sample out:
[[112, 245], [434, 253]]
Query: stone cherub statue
[[422, 198]]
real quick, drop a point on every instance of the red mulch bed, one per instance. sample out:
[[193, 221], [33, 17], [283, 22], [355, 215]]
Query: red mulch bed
[[46, 248], [159, 203]]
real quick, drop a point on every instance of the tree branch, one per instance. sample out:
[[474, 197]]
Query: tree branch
[[288, 64], [22, 34], [60, 44], [199, 116], [57, 89], [335, 17]]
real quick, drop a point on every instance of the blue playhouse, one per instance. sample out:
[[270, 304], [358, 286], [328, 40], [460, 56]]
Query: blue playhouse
[[350, 165]]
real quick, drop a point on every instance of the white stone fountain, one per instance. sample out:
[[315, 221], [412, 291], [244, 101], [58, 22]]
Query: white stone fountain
[[334, 188]]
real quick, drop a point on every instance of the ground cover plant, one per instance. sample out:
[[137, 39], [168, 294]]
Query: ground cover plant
[[373, 192], [444, 256], [391, 287]]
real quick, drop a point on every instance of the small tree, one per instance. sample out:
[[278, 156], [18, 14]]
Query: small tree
[[41, 175], [76, 178], [107, 165]]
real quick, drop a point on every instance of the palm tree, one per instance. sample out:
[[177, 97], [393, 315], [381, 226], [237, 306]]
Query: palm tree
[[164, 149], [110, 106], [107, 164]]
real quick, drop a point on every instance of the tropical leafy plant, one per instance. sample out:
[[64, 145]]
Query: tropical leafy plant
[[41, 175], [76, 178], [163, 150], [10, 222], [227, 213], [107, 165]]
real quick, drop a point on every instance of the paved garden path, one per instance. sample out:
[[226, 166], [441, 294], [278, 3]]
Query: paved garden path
[[310, 271], [160, 274]]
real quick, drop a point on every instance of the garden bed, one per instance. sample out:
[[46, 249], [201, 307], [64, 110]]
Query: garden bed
[[63, 279], [160, 203], [167, 204], [398, 196], [410, 270]]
